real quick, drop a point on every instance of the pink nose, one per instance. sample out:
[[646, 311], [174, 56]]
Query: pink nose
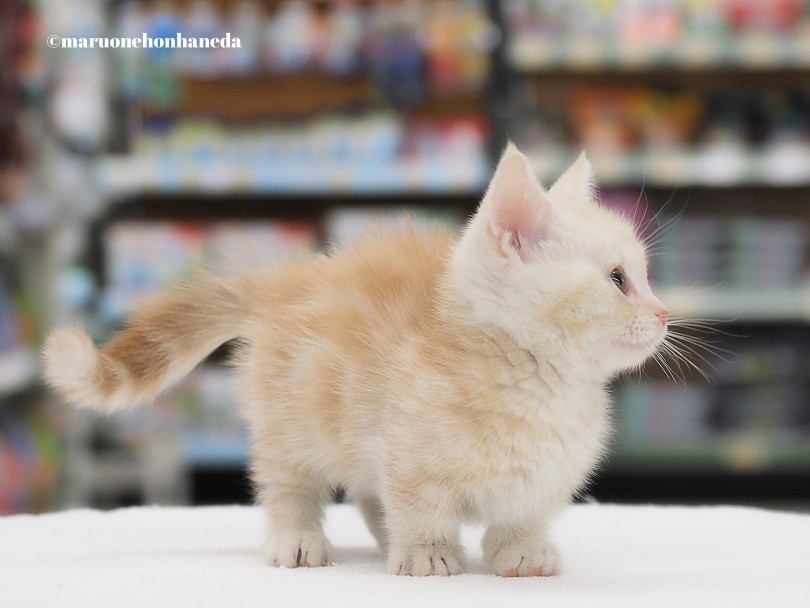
[[663, 315]]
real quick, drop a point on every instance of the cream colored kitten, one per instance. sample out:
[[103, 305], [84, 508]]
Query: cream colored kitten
[[436, 380]]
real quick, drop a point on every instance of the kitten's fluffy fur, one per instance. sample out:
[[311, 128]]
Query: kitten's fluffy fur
[[435, 380]]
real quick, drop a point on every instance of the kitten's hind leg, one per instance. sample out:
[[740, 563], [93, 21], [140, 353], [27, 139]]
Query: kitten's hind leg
[[373, 513], [294, 511]]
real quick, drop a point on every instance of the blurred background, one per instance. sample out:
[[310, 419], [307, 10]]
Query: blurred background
[[121, 170]]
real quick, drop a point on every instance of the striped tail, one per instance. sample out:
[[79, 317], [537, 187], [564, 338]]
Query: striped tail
[[160, 345]]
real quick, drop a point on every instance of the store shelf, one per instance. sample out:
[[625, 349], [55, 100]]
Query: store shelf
[[18, 370], [744, 454], [744, 51], [264, 96], [156, 174], [261, 95], [725, 304], [786, 164], [211, 449]]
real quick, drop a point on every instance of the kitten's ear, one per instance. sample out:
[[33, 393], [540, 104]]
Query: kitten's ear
[[516, 209], [577, 184]]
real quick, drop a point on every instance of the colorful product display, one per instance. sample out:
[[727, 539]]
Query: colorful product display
[[588, 33], [29, 463], [670, 137], [746, 253], [654, 21], [387, 40], [622, 120], [380, 152]]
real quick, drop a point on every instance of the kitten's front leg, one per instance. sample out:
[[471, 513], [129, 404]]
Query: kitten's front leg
[[423, 532], [520, 551], [294, 511]]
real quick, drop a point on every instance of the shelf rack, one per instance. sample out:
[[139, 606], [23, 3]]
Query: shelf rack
[[756, 51], [715, 165]]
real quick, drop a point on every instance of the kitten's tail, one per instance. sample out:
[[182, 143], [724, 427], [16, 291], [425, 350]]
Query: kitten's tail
[[161, 344]]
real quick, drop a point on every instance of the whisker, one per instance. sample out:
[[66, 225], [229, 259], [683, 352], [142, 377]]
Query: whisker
[[692, 339], [679, 355], [667, 348], [708, 346], [659, 359], [661, 228], [703, 326], [638, 200], [689, 349]]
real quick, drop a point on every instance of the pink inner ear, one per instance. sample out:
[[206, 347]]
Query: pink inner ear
[[523, 224], [519, 208]]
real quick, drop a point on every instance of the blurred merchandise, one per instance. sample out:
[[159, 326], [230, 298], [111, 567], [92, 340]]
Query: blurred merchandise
[[347, 225], [341, 40], [754, 415], [77, 105], [142, 258], [29, 463], [621, 118], [212, 434], [672, 138], [20, 75], [588, 33], [377, 152], [29, 454], [745, 252]]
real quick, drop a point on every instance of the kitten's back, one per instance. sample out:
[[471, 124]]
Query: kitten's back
[[391, 276]]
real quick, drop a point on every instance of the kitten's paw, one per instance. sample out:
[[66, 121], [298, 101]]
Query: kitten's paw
[[425, 560], [526, 557], [298, 549]]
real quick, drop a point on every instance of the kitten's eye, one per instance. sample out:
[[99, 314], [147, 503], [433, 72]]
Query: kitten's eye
[[617, 276]]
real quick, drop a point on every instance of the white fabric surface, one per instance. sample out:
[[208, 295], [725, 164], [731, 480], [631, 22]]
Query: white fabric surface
[[612, 556]]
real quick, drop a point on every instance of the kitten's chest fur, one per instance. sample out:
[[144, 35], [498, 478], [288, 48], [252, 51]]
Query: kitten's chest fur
[[546, 437]]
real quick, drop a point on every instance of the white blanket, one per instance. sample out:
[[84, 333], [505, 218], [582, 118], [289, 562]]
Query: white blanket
[[199, 557]]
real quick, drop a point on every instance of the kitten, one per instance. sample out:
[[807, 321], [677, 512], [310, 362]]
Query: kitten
[[436, 380]]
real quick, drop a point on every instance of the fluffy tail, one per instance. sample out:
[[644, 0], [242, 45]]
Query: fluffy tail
[[159, 345]]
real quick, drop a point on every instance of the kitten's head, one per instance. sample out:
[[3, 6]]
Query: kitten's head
[[557, 271]]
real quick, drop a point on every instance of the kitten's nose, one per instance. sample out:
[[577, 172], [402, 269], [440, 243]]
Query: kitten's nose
[[663, 315]]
